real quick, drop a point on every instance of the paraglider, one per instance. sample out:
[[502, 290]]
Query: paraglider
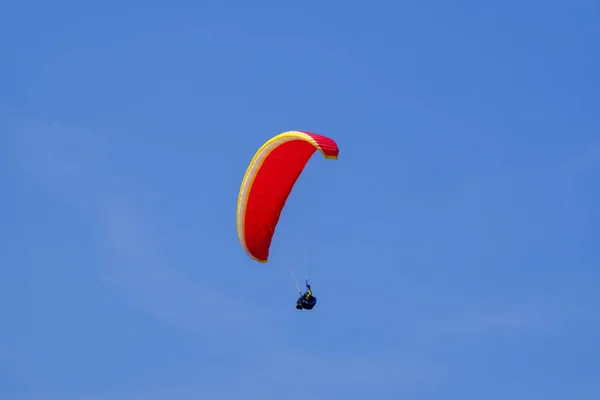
[[306, 301], [268, 182]]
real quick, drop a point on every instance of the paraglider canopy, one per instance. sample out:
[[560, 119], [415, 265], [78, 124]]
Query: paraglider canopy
[[268, 182]]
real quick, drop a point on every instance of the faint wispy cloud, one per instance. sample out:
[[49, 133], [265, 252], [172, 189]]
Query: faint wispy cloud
[[166, 293]]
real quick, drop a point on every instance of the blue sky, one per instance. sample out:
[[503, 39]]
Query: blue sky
[[453, 245]]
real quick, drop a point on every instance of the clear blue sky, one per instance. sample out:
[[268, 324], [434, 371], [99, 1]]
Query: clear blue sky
[[453, 246]]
